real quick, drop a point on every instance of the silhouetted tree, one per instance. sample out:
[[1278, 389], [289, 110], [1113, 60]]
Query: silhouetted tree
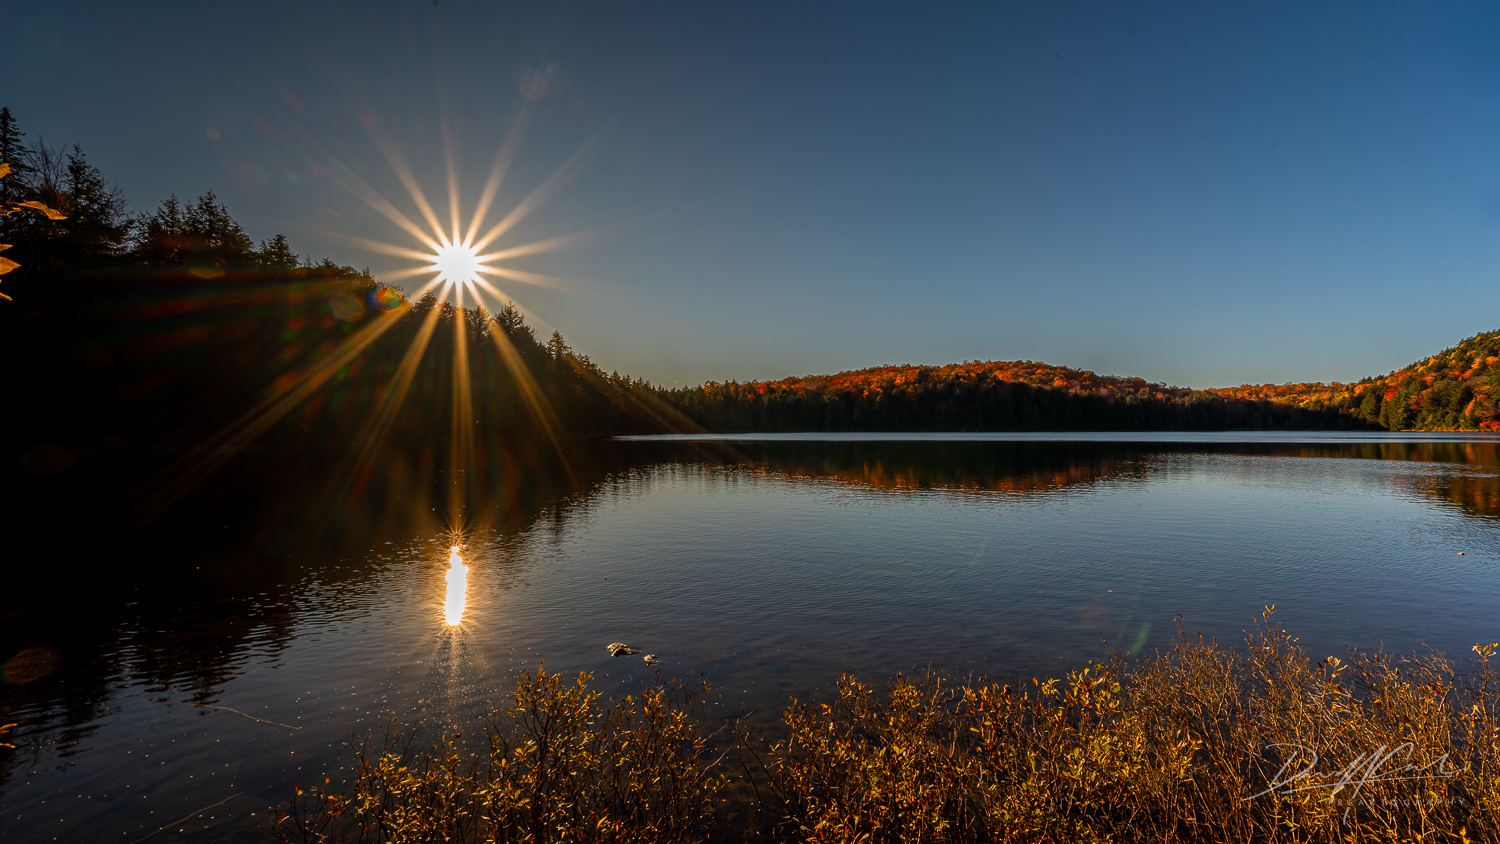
[[200, 237], [96, 225], [277, 256], [162, 237], [557, 347], [14, 153]]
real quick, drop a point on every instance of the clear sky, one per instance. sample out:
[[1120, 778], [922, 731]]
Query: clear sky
[[1197, 193]]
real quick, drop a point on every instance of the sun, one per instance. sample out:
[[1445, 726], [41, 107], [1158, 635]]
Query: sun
[[455, 252], [457, 263]]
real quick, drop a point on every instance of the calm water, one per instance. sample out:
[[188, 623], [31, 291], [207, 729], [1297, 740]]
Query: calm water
[[768, 565]]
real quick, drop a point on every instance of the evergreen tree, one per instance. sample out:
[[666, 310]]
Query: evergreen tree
[[96, 223], [212, 230], [201, 236], [1395, 412], [1369, 405], [275, 255], [162, 237], [14, 153], [514, 324], [557, 347]]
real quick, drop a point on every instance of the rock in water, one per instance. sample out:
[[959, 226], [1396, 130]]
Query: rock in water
[[620, 649], [650, 659]]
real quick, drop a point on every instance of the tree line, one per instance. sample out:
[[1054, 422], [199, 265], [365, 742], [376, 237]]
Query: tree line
[[137, 339], [985, 396], [1457, 389]]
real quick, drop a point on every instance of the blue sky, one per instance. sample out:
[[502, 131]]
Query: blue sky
[[1200, 194]]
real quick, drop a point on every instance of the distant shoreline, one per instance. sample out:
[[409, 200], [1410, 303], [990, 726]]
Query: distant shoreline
[[1078, 436]]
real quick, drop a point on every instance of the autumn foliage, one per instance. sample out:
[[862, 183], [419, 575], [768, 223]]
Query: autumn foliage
[[982, 396], [1457, 389]]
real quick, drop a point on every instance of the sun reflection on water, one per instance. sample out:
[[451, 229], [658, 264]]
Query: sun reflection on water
[[458, 588]]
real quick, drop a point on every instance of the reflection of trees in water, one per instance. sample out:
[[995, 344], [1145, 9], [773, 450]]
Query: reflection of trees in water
[[1476, 495], [174, 647], [1473, 489], [973, 467], [197, 649], [179, 608], [1468, 481], [182, 606]]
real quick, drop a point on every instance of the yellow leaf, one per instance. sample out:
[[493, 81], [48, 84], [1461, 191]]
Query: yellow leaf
[[4, 169], [52, 213], [6, 265], [4, 246]]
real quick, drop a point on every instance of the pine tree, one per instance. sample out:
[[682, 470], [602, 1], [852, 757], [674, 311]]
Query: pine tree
[[162, 237], [1369, 405], [1395, 412], [212, 229], [14, 153], [277, 256], [514, 324], [557, 347], [96, 225]]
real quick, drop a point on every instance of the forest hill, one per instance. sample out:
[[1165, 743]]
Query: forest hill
[[1454, 390], [985, 396]]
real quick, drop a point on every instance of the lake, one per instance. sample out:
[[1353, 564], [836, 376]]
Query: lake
[[185, 703]]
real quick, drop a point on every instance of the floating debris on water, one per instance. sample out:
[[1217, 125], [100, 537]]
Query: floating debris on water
[[620, 649], [650, 659]]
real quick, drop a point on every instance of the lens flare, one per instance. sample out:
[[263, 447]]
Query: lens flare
[[385, 299], [458, 588]]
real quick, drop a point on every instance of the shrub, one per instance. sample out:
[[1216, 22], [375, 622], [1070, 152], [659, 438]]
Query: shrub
[[559, 768], [1204, 743]]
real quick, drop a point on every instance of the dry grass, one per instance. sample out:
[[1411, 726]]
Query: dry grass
[[1205, 743]]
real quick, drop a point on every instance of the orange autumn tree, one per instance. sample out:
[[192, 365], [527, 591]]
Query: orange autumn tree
[[1457, 389], [977, 396], [6, 264]]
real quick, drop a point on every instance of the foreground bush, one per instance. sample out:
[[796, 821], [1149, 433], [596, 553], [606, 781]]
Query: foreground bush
[[560, 767], [1203, 744]]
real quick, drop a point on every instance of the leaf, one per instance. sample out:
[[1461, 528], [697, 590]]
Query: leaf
[[52, 213], [4, 169], [6, 265]]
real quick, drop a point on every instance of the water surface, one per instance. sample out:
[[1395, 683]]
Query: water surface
[[767, 565]]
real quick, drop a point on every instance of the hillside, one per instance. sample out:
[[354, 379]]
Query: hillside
[[1455, 390], [982, 396]]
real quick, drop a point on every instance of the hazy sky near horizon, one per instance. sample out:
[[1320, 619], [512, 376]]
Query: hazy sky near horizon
[[1199, 194]]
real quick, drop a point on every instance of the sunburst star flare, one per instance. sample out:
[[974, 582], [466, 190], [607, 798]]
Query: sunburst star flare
[[457, 263]]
